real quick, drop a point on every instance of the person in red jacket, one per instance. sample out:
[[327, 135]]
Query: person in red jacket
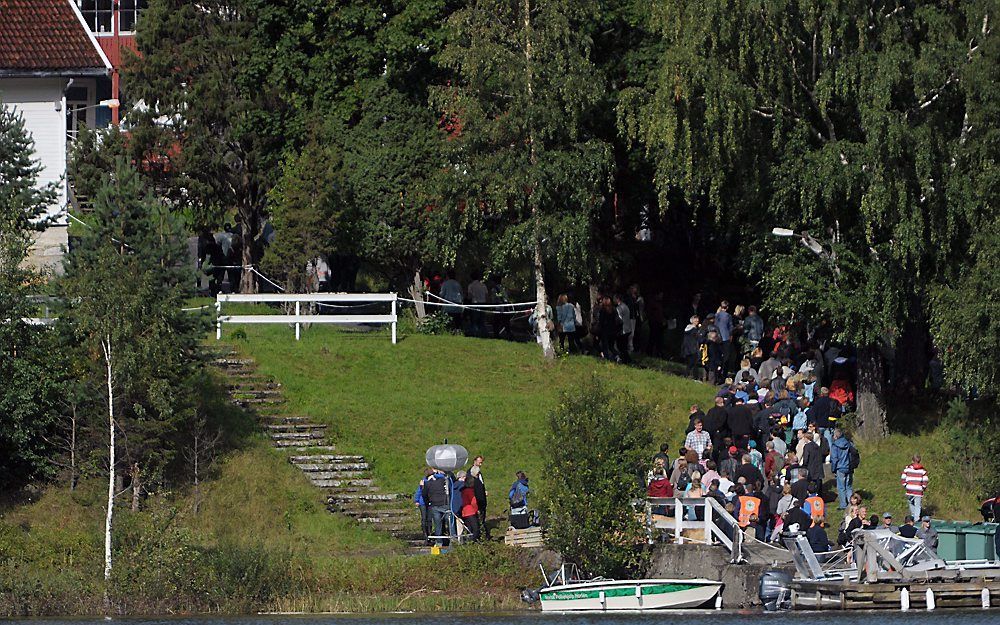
[[660, 486], [470, 506]]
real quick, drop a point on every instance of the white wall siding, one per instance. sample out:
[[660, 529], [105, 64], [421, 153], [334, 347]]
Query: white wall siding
[[38, 99]]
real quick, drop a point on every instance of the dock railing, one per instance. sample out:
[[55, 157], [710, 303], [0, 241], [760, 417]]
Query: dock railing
[[335, 301], [717, 526]]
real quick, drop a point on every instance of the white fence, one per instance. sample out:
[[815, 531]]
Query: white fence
[[712, 525], [340, 301]]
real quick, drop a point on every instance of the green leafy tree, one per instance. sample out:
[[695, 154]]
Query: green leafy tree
[[29, 394], [850, 123], [596, 441], [202, 67], [124, 289], [532, 170]]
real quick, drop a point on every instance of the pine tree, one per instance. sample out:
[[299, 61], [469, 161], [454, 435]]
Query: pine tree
[[29, 394]]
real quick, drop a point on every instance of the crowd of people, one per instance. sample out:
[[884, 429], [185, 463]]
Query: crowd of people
[[454, 504], [773, 435]]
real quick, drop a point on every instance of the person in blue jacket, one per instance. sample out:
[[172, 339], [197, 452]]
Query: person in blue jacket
[[840, 463], [518, 495]]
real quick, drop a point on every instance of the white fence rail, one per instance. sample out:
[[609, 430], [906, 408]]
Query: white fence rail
[[714, 521], [333, 300]]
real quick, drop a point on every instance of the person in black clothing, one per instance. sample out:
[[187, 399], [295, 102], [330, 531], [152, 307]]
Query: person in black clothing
[[812, 460], [694, 415], [796, 515], [664, 454], [479, 484], [816, 535], [740, 423], [437, 496], [716, 421], [607, 329], [907, 529], [800, 487], [748, 472]]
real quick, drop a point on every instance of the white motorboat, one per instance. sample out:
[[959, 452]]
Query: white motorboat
[[607, 595]]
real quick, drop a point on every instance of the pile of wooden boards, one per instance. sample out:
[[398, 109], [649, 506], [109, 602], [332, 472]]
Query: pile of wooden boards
[[530, 537]]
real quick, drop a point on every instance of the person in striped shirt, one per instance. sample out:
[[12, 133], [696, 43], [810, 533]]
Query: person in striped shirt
[[914, 479], [698, 439]]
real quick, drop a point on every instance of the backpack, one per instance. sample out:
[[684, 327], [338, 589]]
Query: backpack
[[853, 457], [682, 481], [517, 499]]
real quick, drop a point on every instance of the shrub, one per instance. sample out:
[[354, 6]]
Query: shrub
[[597, 440], [437, 323]]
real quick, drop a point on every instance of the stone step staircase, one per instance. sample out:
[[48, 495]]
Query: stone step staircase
[[345, 480]]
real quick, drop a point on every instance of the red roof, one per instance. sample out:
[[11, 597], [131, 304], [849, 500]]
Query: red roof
[[45, 36]]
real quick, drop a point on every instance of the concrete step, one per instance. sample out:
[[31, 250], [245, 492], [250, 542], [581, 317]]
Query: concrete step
[[285, 420], [318, 449], [394, 513], [338, 475], [340, 467], [297, 444], [334, 473], [294, 427], [261, 384], [296, 436], [260, 401], [229, 361], [253, 393], [319, 458], [318, 479], [341, 497]]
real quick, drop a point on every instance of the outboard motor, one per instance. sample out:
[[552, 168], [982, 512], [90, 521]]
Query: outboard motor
[[774, 591], [529, 595]]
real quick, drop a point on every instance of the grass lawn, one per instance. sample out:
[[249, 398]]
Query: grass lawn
[[392, 402]]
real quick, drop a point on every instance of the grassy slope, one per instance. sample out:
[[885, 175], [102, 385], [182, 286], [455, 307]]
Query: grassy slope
[[392, 402]]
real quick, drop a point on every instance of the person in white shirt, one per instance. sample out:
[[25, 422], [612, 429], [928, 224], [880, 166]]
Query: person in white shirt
[[698, 439]]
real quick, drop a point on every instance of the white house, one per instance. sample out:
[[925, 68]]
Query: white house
[[50, 66]]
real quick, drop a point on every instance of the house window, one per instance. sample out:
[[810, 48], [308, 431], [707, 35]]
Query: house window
[[98, 14], [130, 10]]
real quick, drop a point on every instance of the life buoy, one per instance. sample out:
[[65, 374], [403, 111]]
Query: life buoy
[[749, 506]]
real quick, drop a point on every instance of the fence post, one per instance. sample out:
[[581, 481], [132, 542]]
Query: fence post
[[678, 522], [394, 296], [709, 535], [218, 318], [297, 324]]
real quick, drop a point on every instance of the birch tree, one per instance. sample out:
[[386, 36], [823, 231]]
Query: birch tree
[[533, 171], [124, 290]]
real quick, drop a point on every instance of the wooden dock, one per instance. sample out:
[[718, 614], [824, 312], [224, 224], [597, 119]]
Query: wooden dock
[[888, 595]]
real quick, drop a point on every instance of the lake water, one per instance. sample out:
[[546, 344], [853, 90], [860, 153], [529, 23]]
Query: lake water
[[941, 617]]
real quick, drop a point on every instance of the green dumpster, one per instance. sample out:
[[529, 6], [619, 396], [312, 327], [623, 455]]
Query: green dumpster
[[979, 539], [951, 540]]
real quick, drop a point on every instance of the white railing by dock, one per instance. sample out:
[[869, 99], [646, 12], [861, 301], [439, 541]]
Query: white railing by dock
[[331, 300], [714, 520]]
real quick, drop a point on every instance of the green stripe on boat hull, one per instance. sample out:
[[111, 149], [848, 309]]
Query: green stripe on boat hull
[[628, 591]]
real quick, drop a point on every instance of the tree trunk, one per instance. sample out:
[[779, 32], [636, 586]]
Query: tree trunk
[[197, 477], [417, 295], [106, 345], [248, 232], [870, 398], [136, 486], [541, 318], [72, 448]]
